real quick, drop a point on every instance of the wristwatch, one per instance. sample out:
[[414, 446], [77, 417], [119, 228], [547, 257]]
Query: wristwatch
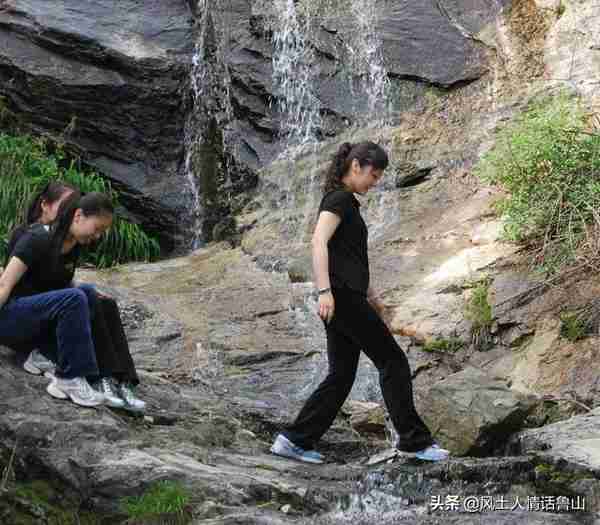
[[324, 291]]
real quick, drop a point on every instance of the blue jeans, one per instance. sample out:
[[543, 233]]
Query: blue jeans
[[56, 322]]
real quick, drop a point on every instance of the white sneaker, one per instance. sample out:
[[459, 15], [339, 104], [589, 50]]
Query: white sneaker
[[78, 389], [432, 453], [37, 363], [59, 394], [284, 447], [106, 387], [131, 402]]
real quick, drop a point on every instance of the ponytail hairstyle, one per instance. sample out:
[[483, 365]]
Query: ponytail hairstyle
[[91, 204], [52, 192], [366, 153]]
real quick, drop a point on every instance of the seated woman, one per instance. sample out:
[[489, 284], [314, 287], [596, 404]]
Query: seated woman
[[118, 375], [112, 354]]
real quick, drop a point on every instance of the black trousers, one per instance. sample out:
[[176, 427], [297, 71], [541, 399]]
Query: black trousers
[[356, 326], [110, 342]]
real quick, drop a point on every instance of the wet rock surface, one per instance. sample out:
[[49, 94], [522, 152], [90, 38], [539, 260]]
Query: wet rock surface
[[112, 81]]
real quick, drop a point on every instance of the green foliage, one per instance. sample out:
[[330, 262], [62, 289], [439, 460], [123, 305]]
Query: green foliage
[[449, 345], [555, 481], [572, 326], [478, 310], [164, 497], [24, 503], [549, 166], [26, 166]]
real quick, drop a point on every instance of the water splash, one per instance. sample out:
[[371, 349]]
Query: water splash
[[303, 311]]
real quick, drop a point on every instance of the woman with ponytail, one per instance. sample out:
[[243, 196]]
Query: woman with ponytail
[[117, 373], [38, 308], [43, 208], [353, 315]]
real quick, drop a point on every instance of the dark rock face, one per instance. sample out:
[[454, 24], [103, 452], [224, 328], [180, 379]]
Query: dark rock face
[[116, 75], [118, 72]]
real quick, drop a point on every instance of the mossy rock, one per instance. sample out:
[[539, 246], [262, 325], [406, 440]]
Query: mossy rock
[[40, 501]]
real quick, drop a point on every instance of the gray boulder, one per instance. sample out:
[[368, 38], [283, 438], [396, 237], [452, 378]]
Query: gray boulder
[[473, 413]]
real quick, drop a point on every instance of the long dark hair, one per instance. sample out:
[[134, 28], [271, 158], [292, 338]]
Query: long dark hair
[[91, 204], [366, 153], [52, 192]]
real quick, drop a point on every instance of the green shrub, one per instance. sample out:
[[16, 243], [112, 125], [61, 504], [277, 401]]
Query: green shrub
[[450, 345], [26, 166], [164, 497], [549, 166], [572, 326], [478, 310]]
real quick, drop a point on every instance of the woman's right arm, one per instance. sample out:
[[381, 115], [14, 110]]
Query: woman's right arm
[[10, 277], [324, 230]]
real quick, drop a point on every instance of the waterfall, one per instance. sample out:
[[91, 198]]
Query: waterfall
[[295, 69], [296, 106], [206, 132], [293, 72], [365, 49]]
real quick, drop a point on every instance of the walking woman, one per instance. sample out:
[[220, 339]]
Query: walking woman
[[353, 316], [117, 374]]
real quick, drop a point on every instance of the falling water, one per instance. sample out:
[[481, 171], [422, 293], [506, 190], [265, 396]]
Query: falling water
[[297, 107], [293, 72], [366, 48], [212, 110], [303, 310]]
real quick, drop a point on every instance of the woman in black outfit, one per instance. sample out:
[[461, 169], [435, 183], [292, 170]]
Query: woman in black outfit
[[117, 373], [352, 314]]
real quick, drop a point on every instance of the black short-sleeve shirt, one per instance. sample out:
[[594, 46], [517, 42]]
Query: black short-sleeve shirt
[[32, 246], [347, 248], [15, 235]]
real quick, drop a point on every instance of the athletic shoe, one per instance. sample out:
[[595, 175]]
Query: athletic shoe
[[316, 455], [432, 453], [435, 445], [132, 403], [284, 447], [78, 389], [37, 363], [59, 394], [106, 387]]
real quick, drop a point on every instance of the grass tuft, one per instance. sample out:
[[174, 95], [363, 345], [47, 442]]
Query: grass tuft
[[27, 165], [164, 497]]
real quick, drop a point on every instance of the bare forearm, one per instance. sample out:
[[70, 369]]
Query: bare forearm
[[320, 257], [4, 295]]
